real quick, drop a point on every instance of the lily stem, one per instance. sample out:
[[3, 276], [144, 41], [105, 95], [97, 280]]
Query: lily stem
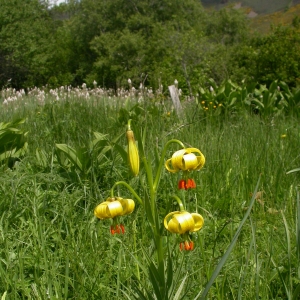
[[181, 206], [129, 188], [161, 162]]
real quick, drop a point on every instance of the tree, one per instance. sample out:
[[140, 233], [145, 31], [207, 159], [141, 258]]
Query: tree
[[24, 32], [138, 37], [268, 58]]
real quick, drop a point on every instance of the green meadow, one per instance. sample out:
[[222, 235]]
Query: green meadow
[[66, 148]]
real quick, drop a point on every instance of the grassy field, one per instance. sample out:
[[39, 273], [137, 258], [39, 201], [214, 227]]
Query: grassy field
[[53, 247]]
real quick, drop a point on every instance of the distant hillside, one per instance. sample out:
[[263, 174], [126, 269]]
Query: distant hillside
[[259, 6], [262, 23], [262, 13]]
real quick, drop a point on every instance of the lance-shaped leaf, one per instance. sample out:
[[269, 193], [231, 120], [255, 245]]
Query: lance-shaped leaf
[[71, 154]]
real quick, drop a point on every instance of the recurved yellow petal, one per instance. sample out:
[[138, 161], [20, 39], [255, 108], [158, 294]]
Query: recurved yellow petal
[[107, 210], [179, 222], [189, 162], [127, 205], [114, 207], [168, 166], [201, 161], [198, 221], [188, 159]]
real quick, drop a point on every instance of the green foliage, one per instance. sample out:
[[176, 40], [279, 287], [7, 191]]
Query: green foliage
[[227, 97], [269, 58], [13, 143], [133, 41], [52, 246], [86, 162], [24, 32], [120, 60], [227, 26], [152, 43]]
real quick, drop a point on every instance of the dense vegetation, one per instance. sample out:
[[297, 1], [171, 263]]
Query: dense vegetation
[[148, 41], [67, 149]]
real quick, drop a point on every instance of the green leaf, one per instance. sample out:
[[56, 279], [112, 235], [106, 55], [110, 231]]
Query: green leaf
[[177, 295], [273, 86], [292, 171], [213, 83], [71, 154], [169, 282], [122, 152], [4, 295], [296, 294]]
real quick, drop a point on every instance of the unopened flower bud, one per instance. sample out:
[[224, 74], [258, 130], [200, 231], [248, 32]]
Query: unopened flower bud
[[133, 154]]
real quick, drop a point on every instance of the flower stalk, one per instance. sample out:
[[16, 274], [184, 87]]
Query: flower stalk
[[179, 222]]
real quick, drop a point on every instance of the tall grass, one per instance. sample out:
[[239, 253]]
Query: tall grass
[[51, 245]]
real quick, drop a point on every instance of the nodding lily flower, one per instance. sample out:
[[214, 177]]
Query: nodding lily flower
[[113, 208], [183, 223], [185, 160]]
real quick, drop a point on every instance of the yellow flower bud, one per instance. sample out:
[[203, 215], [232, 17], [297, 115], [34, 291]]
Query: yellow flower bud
[[183, 221], [133, 154], [185, 160]]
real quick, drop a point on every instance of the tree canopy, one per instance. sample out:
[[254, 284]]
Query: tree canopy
[[148, 41]]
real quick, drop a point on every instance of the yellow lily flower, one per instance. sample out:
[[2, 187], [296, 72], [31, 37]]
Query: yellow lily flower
[[185, 160], [114, 207], [182, 222]]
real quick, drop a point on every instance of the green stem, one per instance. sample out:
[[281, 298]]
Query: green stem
[[161, 162], [181, 206], [129, 124], [150, 183], [129, 188], [135, 251]]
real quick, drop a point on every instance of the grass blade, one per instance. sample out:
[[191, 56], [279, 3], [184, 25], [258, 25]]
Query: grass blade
[[298, 231], [228, 251]]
